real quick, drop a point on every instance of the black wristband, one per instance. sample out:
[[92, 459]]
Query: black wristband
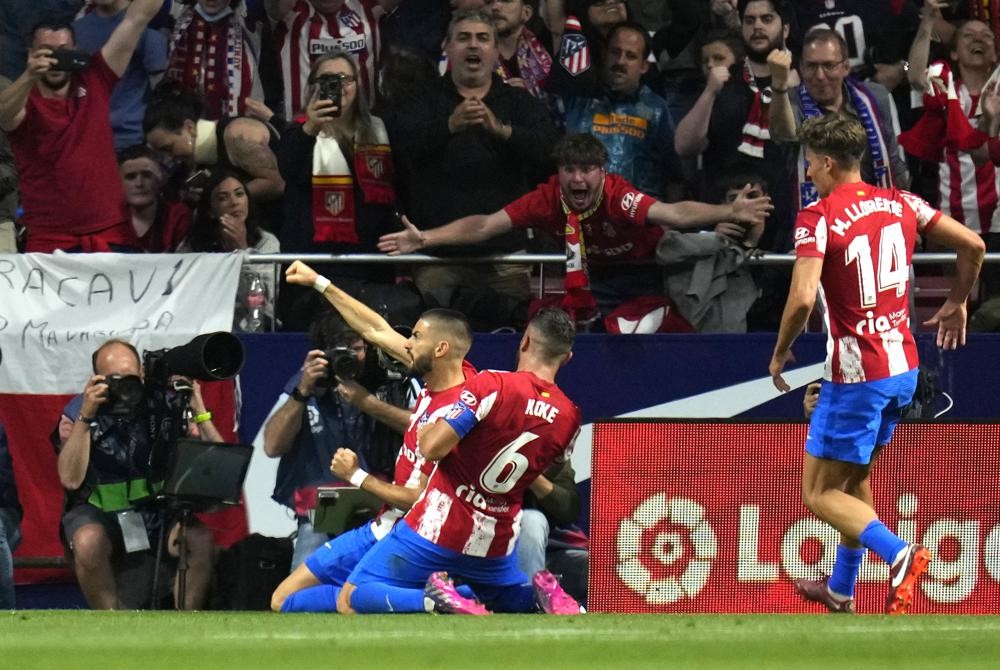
[[299, 396]]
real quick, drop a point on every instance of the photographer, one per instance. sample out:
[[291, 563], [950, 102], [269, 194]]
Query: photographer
[[105, 449], [313, 422], [56, 115]]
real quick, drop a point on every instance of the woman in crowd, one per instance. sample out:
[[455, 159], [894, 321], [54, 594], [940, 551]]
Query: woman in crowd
[[339, 174]]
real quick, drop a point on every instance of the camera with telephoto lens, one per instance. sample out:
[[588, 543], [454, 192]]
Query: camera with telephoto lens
[[342, 363], [330, 87], [125, 395]]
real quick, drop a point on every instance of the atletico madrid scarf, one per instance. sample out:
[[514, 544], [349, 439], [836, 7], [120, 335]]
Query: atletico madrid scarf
[[210, 56], [333, 207], [533, 61], [867, 110], [755, 130], [578, 301]]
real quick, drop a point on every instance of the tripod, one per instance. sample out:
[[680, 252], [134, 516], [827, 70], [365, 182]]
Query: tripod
[[186, 509]]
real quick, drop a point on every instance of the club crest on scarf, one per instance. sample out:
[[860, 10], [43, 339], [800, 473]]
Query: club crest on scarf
[[375, 166], [574, 53], [334, 203]]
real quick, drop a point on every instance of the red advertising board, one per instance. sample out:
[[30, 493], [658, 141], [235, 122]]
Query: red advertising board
[[691, 516]]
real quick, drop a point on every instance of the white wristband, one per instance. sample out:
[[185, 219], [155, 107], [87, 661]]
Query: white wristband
[[321, 283], [358, 477]]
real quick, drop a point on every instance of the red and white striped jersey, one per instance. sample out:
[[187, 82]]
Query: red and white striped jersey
[[865, 235], [410, 464], [969, 193], [520, 425], [305, 34]]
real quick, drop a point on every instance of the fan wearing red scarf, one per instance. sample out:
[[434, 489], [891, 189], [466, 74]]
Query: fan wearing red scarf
[[602, 218]]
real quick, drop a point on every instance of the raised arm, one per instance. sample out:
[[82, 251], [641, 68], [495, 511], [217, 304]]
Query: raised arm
[[691, 136], [691, 214], [920, 50], [117, 51], [780, 116], [969, 247], [363, 320], [14, 97], [467, 230]]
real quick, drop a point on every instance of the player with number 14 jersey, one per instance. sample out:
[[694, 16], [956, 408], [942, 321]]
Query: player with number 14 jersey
[[866, 236]]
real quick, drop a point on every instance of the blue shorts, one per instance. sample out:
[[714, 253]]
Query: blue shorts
[[333, 561], [405, 559], [850, 420]]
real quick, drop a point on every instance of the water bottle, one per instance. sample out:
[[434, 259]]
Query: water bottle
[[256, 304]]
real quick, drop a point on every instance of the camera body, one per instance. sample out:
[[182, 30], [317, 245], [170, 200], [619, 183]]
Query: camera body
[[342, 363], [330, 87], [125, 395], [70, 60]]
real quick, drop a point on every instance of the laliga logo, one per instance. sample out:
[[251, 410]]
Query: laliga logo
[[667, 548]]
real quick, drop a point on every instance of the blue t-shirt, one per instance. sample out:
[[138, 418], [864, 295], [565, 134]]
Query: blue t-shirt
[[128, 102]]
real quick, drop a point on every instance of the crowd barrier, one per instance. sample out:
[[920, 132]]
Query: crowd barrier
[[707, 517]]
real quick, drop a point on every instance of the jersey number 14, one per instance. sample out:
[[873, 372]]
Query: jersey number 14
[[893, 270]]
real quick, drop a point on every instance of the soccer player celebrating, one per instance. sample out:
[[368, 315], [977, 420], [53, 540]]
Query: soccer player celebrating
[[435, 352], [857, 243], [512, 426]]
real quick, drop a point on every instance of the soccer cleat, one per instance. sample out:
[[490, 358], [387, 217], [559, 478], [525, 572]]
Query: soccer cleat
[[551, 597], [817, 591], [903, 576], [447, 600]]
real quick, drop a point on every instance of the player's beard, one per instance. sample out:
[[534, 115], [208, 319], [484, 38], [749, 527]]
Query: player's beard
[[422, 365]]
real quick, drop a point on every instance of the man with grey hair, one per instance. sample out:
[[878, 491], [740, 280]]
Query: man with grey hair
[[468, 145]]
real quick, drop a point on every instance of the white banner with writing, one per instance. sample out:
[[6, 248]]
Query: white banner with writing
[[56, 309]]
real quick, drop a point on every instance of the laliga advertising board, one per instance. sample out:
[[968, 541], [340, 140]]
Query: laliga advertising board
[[707, 517]]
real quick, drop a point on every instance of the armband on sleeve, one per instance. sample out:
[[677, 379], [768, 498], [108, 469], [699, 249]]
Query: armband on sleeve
[[461, 418]]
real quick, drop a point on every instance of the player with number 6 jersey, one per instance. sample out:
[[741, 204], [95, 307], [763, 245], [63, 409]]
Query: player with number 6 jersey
[[855, 246], [472, 503]]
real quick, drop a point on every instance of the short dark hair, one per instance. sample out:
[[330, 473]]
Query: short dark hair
[[328, 329], [135, 152], [53, 25], [206, 234], [647, 42], [556, 332], [475, 14], [580, 149], [780, 7], [736, 177], [825, 35], [169, 107], [454, 323], [97, 352], [839, 136], [734, 43]]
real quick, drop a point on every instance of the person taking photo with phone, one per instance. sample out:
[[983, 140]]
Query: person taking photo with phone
[[340, 184], [56, 115]]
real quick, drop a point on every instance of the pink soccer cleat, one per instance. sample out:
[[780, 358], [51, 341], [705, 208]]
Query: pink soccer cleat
[[441, 591], [551, 597]]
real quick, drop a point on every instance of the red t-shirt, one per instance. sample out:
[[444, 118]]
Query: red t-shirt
[[865, 236], [172, 224], [472, 503], [615, 230], [65, 155]]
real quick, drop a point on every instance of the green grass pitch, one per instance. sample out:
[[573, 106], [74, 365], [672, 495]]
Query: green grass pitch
[[38, 640]]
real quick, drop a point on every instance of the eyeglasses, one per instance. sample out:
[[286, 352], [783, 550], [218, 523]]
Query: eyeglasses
[[829, 67]]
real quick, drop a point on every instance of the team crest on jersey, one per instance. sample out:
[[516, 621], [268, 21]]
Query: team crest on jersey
[[468, 398], [334, 203], [349, 19], [375, 166], [455, 412]]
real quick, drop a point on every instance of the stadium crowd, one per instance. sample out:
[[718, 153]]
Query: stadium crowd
[[652, 141]]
